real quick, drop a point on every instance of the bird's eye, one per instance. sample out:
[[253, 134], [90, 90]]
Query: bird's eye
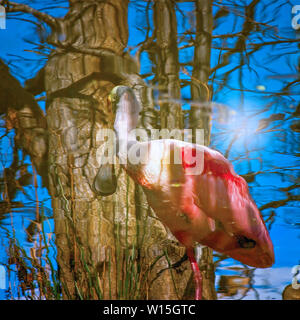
[[245, 242]]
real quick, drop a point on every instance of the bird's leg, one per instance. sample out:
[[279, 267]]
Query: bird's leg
[[197, 273]]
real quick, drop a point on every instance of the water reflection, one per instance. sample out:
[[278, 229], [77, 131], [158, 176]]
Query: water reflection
[[58, 239], [234, 286], [230, 286], [290, 293], [25, 247]]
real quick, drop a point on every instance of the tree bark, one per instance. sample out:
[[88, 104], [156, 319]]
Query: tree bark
[[171, 117], [113, 247], [90, 230], [115, 240], [200, 115]]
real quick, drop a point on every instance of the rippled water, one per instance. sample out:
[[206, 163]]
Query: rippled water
[[255, 123], [233, 280]]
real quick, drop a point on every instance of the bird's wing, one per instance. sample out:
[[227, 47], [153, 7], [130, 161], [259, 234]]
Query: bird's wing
[[223, 196]]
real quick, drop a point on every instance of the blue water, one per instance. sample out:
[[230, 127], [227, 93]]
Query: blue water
[[273, 152]]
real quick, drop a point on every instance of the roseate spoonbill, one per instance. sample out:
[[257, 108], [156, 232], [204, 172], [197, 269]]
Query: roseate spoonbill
[[200, 198]]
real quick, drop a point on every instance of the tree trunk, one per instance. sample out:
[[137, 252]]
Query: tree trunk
[[171, 117], [171, 283], [110, 247], [200, 115], [91, 231]]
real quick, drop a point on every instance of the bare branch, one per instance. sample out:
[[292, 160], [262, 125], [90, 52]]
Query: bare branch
[[240, 44], [17, 7], [279, 203]]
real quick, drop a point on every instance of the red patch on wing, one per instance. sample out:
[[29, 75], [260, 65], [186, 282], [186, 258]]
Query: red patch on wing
[[188, 156], [222, 168], [215, 165]]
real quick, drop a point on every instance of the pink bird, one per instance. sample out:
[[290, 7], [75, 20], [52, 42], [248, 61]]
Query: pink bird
[[199, 198]]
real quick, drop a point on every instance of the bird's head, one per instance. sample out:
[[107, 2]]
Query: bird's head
[[254, 245], [114, 96], [238, 229], [244, 237], [126, 108]]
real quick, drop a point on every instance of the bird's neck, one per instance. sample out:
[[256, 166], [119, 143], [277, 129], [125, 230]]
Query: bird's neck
[[125, 138]]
